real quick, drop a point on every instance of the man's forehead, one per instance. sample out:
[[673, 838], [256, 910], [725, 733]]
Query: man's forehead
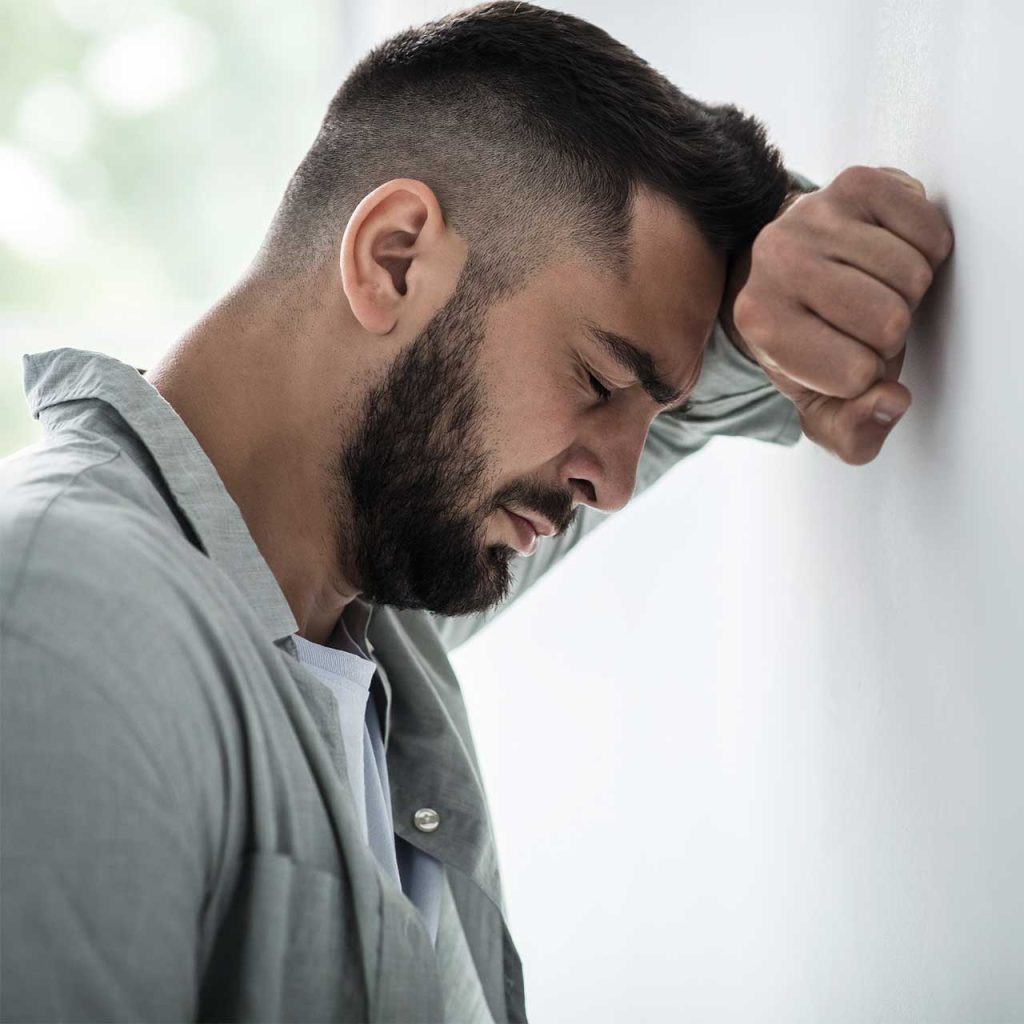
[[675, 286], [653, 322]]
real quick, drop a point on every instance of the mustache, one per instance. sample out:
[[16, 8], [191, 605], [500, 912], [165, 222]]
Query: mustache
[[540, 501]]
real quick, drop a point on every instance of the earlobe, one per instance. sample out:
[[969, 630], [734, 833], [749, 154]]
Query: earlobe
[[388, 235]]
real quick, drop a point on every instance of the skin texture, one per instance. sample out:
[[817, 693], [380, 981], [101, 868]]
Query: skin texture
[[296, 389], [825, 300]]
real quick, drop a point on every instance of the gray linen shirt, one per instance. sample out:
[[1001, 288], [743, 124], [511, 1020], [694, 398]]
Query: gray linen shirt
[[179, 837]]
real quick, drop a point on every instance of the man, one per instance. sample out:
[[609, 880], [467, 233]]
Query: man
[[513, 282]]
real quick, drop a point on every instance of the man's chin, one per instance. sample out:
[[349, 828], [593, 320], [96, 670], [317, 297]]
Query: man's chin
[[450, 596], [475, 605]]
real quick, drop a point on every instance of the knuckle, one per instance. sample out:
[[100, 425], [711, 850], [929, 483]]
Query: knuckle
[[752, 317], [819, 212], [767, 242], [894, 327], [783, 250], [943, 242], [857, 178], [861, 378], [906, 178], [921, 278], [744, 313]]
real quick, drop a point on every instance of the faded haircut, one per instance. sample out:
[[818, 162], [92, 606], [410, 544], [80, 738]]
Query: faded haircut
[[535, 129]]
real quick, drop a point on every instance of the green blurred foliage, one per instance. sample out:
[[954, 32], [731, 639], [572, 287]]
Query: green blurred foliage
[[169, 202]]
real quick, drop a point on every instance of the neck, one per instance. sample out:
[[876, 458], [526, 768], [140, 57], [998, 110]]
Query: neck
[[253, 382]]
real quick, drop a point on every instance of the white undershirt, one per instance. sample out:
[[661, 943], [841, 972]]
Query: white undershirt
[[349, 674]]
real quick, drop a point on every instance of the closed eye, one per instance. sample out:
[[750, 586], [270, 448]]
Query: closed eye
[[600, 390]]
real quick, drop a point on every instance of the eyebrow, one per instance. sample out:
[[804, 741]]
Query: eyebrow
[[636, 361]]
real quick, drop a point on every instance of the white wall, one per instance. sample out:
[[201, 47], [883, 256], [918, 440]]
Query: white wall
[[754, 751]]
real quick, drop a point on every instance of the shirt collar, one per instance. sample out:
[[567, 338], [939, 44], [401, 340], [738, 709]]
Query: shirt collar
[[59, 385]]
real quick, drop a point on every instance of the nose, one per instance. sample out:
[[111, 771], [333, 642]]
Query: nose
[[601, 469]]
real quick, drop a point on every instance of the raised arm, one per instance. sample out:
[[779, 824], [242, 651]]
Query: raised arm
[[810, 339], [733, 396]]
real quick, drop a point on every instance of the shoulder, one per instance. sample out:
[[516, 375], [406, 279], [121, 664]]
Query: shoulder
[[92, 576], [32, 481], [115, 681]]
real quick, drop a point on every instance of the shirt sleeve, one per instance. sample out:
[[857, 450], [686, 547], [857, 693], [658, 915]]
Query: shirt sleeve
[[106, 846], [100, 893], [800, 183], [733, 396]]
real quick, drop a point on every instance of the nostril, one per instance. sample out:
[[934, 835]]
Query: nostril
[[588, 490]]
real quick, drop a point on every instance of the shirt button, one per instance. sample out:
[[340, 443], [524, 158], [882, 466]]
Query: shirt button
[[426, 819]]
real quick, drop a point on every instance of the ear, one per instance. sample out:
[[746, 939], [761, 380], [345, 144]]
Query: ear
[[399, 260]]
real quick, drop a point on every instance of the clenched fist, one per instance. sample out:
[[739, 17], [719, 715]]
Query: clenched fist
[[825, 297]]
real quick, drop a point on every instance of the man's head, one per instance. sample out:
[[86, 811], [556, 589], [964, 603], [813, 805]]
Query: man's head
[[495, 406], [505, 213], [534, 129]]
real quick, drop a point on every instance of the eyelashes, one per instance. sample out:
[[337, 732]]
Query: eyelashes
[[600, 390], [604, 394]]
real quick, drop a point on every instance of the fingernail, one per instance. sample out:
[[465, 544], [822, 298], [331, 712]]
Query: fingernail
[[886, 412]]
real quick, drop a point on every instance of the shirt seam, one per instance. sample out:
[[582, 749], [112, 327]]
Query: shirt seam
[[30, 543], [87, 390]]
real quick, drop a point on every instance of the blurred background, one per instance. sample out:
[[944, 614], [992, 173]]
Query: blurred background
[[144, 145], [753, 750]]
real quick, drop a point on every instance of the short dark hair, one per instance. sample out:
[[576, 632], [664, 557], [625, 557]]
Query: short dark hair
[[534, 128]]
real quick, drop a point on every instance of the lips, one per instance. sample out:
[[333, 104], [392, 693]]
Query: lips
[[526, 535]]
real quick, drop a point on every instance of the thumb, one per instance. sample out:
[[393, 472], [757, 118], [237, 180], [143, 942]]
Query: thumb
[[855, 429]]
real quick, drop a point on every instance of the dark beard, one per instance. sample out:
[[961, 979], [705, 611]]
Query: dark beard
[[413, 477]]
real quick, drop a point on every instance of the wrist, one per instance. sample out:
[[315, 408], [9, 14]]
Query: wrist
[[736, 278], [739, 270]]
